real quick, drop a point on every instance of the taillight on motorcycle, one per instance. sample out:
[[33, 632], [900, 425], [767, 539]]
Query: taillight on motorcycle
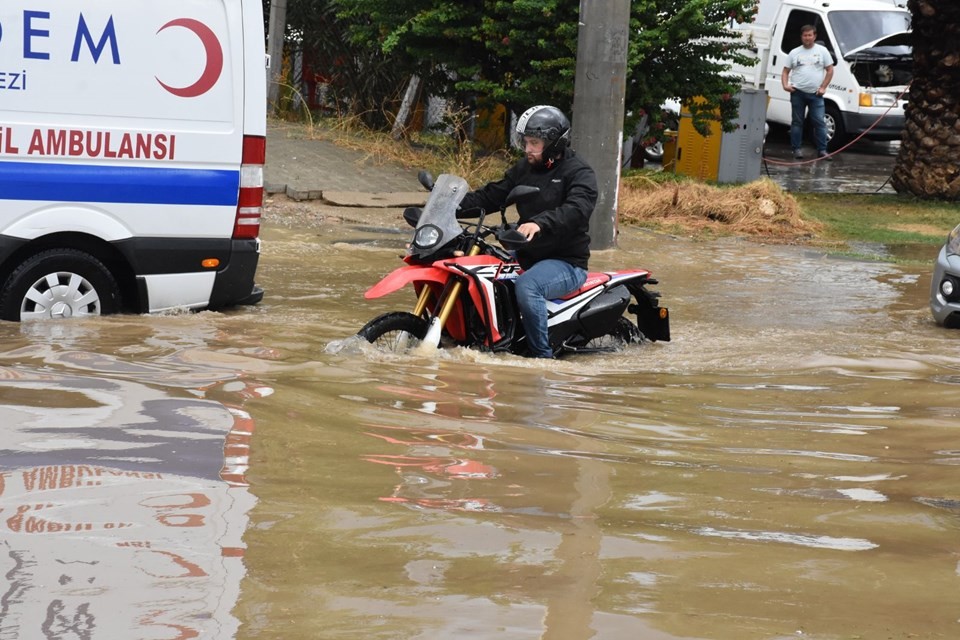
[[250, 202]]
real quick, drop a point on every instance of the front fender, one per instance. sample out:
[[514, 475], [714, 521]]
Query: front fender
[[399, 278]]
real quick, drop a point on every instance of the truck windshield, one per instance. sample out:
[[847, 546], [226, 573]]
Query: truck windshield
[[856, 28]]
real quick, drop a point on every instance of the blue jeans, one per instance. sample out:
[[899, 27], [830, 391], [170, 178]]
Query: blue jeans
[[799, 102], [546, 279]]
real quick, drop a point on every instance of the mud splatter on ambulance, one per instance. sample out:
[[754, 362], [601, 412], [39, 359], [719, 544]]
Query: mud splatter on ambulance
[[132, 142]]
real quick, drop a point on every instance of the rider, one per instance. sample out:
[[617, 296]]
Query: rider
[[555, 223]]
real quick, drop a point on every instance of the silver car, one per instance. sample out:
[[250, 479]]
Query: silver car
[[945, 286]]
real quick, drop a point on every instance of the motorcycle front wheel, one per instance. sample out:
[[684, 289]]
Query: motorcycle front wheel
[[397, 331]]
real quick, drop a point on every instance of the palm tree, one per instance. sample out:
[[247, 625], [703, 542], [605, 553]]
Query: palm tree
[[929, 162]]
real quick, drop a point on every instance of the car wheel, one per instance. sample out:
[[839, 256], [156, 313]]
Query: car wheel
[[59, 283], [654, 152]]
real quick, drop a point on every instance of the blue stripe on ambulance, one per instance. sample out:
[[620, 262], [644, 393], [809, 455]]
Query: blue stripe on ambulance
[[134, 185]]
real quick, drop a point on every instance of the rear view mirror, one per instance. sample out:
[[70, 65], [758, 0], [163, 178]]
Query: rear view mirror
[[412, 215], [521, 193], [425, 179]]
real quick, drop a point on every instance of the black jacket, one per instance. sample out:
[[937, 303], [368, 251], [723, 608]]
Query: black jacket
[[568, 194]]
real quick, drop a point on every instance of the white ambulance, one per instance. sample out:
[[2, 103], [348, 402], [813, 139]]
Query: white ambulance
[[132, 143]]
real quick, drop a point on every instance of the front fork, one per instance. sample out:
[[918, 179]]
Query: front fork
[[445, 309]]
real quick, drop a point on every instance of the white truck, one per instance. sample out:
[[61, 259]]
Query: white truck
[[870, 42], [132, 144]]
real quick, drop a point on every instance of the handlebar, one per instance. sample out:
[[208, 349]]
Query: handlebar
[[473, 212], [510, 238]]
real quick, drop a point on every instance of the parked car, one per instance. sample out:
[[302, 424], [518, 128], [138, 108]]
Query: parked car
[[945, 286], [641, 145], [652, 146]]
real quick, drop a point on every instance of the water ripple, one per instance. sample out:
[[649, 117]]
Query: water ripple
[[820, 542], [827, 455]]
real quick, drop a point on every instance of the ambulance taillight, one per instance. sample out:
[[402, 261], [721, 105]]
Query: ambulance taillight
[[250, 202]]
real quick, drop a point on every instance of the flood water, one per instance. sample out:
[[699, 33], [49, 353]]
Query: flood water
[[863, 166], [785, 467]]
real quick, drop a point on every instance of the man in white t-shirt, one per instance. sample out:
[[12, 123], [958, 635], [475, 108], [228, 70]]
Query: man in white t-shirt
[[808, 71]]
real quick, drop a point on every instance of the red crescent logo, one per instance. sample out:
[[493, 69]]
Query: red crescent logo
[[214, 52]]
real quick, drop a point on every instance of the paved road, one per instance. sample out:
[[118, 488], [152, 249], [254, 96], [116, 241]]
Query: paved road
[[308, 168]]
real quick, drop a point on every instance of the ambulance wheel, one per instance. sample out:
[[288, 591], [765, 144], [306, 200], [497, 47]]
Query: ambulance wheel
[[59, 283]]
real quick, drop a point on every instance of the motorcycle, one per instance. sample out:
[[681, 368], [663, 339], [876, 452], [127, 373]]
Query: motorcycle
[[464, 284]]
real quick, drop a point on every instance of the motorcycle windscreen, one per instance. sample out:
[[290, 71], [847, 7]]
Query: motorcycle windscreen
[[439, 216]]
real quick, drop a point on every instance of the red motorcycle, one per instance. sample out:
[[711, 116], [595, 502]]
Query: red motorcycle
[[464, 285]]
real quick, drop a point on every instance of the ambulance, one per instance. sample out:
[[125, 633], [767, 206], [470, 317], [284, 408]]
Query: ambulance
[[132, 144]]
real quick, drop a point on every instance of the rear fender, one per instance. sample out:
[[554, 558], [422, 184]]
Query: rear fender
[[652, 319]]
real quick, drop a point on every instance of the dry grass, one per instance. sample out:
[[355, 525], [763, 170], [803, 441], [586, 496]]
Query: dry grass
[[437, 153], [760, 210]]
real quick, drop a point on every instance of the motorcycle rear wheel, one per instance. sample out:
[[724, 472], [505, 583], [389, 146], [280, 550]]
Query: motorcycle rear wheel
[[623, 333], [397, 331]]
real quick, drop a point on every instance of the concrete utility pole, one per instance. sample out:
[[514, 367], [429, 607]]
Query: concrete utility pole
[[277, 28], [598, 105]]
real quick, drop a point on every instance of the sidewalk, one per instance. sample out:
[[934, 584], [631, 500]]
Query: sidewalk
[[308, 169]]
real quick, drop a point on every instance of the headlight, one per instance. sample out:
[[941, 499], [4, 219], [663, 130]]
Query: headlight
[[953, 241], [877, 100], [426, 237]]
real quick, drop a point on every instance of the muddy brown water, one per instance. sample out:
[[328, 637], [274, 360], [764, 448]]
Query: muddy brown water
[[785, 467]]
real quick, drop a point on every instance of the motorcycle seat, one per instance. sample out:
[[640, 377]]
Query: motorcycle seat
[[593, 280]]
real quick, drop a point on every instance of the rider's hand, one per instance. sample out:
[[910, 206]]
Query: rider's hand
[[529, 230]]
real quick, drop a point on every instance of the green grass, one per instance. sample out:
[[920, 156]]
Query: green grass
[[885, 219]]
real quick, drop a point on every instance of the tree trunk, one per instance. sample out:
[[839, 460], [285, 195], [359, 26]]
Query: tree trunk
[[929, 162]]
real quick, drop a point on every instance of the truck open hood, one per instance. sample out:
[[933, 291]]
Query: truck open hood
[[899, 39]]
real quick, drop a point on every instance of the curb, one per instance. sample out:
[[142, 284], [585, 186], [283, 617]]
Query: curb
[[350, 198]]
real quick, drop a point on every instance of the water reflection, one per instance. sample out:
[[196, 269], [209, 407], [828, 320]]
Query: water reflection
[[123, 503], [783, 468]]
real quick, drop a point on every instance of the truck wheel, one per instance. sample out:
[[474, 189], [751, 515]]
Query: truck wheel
[[59, 283], [836, 134]]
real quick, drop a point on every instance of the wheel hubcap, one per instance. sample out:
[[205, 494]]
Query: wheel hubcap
[[60, 310], [60, 295]]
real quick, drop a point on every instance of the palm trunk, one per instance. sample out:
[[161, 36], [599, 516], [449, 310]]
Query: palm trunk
[[929, 162]]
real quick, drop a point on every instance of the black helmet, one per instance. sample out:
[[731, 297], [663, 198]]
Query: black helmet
[[550, 125]]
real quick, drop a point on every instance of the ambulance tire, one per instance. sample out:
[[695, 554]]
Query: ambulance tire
[[59, 283]]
